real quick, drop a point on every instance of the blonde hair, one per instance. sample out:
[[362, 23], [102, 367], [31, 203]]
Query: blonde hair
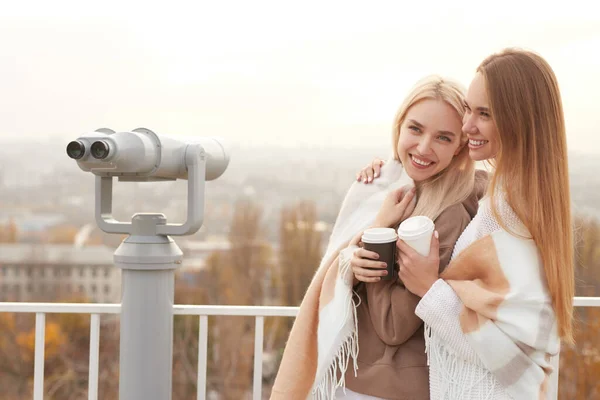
[[531, 164], [455, 183]]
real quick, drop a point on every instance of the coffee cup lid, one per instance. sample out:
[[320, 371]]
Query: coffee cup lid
[[415, 226], [379, 235]]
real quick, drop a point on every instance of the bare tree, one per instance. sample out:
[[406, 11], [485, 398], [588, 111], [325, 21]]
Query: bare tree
[[580, 363], [241, 277], [299, 252]]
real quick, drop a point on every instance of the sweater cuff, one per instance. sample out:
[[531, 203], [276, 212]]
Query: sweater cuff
[[436, 300]]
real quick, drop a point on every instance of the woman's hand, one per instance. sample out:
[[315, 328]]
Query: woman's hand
[[365, 266], [356, 240], [370, 172], [396, 207], [419, 273]]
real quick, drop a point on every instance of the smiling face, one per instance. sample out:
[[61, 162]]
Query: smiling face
[[430, 136], [478, 123]]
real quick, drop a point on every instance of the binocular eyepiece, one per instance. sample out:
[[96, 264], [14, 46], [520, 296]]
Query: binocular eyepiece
[[100, 150]]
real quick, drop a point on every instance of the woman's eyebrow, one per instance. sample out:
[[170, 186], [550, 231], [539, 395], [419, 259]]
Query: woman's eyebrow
[[417, 123], [484, 109], [447, 133], [420, 125]]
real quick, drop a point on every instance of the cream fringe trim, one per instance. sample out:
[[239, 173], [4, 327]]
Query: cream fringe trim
[[325, 390], [457, 377]]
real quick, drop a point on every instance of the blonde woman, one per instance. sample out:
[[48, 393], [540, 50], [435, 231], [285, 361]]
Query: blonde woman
[[322, 354], [429, 144], [496, 316]]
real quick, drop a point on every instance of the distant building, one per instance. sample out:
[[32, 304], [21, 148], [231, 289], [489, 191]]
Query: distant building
[[31, 227], [201, 249], [195, 255], [37, 272]]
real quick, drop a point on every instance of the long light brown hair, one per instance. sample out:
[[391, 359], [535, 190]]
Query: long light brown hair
[[455, 183], [531, 164]]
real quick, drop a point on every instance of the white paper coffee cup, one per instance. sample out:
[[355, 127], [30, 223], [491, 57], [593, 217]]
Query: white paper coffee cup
[[416, 232]]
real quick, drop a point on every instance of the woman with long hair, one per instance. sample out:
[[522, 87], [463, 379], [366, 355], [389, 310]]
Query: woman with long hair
[[496, 316]]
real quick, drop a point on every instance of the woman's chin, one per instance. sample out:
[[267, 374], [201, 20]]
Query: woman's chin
[[420, 175], [480, 154]]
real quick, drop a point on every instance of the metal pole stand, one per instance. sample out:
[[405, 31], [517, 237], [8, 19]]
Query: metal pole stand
[[148, 262], [148, 259]]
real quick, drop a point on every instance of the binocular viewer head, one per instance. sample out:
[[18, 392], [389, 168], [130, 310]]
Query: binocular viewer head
[[141, 155]]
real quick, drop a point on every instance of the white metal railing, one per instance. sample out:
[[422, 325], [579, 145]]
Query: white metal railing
[[203, 312]]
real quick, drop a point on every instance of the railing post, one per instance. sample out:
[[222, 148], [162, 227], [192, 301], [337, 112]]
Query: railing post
[[202, 357], [258, 356], [94, 357], [38, 366]]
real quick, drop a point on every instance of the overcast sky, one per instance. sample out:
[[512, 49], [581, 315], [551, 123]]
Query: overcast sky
[[271, 72]]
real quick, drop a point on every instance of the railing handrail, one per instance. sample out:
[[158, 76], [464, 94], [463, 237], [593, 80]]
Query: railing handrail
[[188, 309], [178, 309], [587, 302], [61, 308]]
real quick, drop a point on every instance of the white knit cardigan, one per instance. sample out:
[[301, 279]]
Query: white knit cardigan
[[456, 370]]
